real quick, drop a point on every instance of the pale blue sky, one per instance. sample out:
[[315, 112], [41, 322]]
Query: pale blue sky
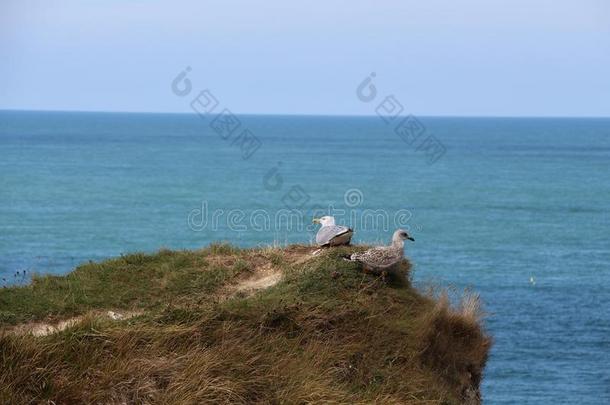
[[476, 57]]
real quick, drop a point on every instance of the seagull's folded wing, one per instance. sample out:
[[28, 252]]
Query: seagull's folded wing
[[326, 233], [380, 257]]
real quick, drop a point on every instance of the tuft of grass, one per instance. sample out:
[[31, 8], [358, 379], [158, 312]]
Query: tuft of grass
[[453, 343], [223, 248], [326, 332]]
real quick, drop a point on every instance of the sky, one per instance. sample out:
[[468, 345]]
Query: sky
[[456, 58]]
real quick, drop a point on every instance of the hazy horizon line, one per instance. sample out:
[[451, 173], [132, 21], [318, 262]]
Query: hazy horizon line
[[300, 114]]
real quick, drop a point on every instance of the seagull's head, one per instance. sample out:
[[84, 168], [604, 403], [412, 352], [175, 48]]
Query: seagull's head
[[402, 235], [326, 220]]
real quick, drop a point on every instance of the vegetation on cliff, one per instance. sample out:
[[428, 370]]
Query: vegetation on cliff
[[229, 325]]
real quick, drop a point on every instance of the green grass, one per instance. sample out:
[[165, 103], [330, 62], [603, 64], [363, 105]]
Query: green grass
[[135, 281], [325, 333]]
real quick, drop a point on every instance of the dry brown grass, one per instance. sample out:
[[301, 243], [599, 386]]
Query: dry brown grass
[[325, 333], [454, 344]]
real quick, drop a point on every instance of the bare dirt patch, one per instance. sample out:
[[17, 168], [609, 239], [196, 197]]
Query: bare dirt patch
[[253, 284], [47, 328], [266, 274], [263, 277]]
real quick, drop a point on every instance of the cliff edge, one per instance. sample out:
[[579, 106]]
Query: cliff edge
[[229, 325]]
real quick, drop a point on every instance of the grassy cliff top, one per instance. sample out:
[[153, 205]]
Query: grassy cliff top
[[228, 325]]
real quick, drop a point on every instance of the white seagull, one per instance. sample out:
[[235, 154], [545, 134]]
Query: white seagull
[[331, 234]]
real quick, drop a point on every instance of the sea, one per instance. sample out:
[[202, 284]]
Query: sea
[[514, 209]]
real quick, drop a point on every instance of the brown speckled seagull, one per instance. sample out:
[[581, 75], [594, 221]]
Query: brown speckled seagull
[[380, 259]]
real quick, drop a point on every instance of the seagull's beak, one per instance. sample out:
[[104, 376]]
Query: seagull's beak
[[316, 220], [411, 239]]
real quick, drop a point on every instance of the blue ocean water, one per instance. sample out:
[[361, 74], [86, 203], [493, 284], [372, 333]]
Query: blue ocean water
[[515, 209]]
